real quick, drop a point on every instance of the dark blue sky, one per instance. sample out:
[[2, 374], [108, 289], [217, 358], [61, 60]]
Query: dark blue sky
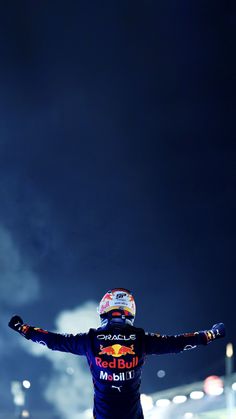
[[117, 162]]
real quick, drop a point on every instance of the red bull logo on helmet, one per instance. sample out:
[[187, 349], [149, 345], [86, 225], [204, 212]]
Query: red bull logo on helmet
[[117, 350]]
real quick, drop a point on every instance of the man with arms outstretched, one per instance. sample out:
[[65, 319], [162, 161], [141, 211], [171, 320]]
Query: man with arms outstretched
[[116, 352]]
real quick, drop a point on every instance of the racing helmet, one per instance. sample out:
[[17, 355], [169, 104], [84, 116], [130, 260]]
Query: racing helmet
[[117, 303]]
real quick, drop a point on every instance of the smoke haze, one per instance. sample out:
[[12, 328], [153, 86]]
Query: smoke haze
[[69, 387], [19, 283]]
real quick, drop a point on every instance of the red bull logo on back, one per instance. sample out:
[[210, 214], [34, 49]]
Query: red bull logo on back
[[117, 350], [121, 364]]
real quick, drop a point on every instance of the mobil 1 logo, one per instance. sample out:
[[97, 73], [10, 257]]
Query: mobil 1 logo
[[120, 376]]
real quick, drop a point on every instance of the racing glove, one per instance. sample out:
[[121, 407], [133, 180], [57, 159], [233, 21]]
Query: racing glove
[[16, 323], [216, 332]]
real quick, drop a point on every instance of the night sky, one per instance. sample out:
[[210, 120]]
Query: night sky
[[118, 169]]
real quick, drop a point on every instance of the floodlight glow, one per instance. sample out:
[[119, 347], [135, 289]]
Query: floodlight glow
[[19, 399], [161, 373], [162, 402], [188, 415], [234, 386], [213, 385], [25, 414], [179, 399], [26, 384], [146, 402], [196, 395], [229, 350]]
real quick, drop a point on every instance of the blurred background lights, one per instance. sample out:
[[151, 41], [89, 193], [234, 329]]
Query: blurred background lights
[[229, 350], [25, 414], [234, 386], [213, 385], [19, 399], [188, 415], [146, 402], [196, 395], [162, 402], [15, 387], [18, 394], [26, 384], [161, 374], [179, 399]]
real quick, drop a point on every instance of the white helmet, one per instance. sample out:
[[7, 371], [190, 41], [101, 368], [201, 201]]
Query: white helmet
[[117, 302]]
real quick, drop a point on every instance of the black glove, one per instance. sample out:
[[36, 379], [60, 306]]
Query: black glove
[[216, 332], [16, 323]]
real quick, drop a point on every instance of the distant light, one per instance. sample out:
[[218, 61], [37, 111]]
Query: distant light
[[161, 373], [188, 415], [15, 387], [18, 394], [162, 402], [26, 384], [229, 350], [146, 402], [19, 399], [196, 395], [213, 385], [234, 386], [25, 414], [179, 399]]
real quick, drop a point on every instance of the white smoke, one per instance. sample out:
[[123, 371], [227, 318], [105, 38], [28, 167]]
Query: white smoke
[[18, 283], [69, 387]]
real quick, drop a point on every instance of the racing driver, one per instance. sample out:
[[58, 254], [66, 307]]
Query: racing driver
[[116, 352]]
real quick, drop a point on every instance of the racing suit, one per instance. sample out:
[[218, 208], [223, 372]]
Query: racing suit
[[115, 355]]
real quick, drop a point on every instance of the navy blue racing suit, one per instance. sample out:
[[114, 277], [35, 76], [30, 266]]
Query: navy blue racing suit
[[115, 355]]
